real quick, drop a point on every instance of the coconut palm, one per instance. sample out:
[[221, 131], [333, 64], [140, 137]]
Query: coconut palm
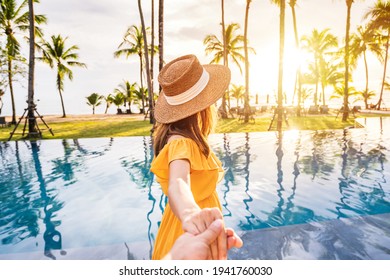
[[140, 94], [161, 34], [364, 96], [58, 56], [380, 20], [282, 6], [339, 92], [146, 55], [331, 73], [347, 59], [292, 4], [128, 91], [319, 43], [14, 19], [118, 99], [94, 100], [246, 99], [234, 50], [365, 39], [109, 99], [238, 93]]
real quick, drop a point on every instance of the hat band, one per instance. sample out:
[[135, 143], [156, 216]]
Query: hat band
[[191, 93]]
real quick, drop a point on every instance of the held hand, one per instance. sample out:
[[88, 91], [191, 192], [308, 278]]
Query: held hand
[[233, 240], [196, 247], [198, 220]]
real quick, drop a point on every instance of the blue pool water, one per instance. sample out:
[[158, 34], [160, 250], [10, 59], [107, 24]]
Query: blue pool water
[[302, 195]]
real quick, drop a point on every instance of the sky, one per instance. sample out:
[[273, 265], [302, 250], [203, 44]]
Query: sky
[[97, 28]]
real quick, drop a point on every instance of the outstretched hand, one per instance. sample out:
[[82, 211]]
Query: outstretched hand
[[198, 221]]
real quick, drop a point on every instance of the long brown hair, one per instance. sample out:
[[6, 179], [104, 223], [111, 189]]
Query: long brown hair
[[196, 127]]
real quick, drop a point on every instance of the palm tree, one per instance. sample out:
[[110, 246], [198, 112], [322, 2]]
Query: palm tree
[[246, 100], [330, 74], [15, 19], [233, 48], [365, 96], [32, 129], [133, 44], [365, 39], [118, 99], [160, 34], [380, 20], [128, 91], [109, 99], [146, 55], [58, 56], [237, 92], [94, 100], [292, 4], [319, 43], [347, 59], [140, 94], [282, 5]]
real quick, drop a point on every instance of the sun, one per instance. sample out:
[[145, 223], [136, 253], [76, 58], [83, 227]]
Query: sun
[[264, 71]]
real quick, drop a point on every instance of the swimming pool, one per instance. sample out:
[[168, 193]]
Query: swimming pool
[[302, 195]]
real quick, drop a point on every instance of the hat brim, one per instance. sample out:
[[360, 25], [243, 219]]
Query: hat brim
[[218, 83]]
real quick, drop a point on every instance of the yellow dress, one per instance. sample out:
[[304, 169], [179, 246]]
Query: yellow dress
[[205, 173]]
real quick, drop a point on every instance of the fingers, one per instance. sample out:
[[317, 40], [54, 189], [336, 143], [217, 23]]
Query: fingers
[[212, 232], [222, 246], [233, 240]]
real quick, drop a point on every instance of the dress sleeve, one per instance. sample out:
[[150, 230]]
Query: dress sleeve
[[182, 148]]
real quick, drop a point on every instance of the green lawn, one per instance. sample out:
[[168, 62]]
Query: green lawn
[[117, 127]]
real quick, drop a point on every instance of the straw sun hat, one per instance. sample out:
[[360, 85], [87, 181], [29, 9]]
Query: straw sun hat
[[189, 87]]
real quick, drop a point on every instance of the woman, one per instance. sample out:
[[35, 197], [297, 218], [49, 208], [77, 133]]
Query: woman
[[186, 168]]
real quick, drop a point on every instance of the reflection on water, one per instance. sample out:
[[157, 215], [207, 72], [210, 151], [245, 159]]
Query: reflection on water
[[96, 198]]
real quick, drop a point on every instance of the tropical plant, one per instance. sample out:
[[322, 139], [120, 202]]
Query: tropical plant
[[146, 55], [128, 91], [160, 34], [58, 56], [14, 19], [140, 94], [133, 44], [94, 100], [364, 96], [380, 20], [339, 92], [320, 44], [118, 99], [238, 93], [109, 99], [363, 40], [282, 6], [233, 50]]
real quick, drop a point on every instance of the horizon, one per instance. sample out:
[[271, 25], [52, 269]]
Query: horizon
[[97, 28]]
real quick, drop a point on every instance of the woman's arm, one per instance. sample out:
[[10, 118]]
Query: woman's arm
[[183, 205]]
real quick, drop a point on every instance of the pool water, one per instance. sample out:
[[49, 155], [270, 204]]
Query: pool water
[[300, 194]]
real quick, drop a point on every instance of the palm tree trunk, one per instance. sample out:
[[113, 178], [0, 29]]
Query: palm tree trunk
[[161, 34], [223, 111], [384, 70], [60, 92], [366, 68], [346, 61], [280, 74], [30, 100], [93, 110], [146, 53], [141, 69], [11, 89], [152, 49], [299, 74], [246, 102]]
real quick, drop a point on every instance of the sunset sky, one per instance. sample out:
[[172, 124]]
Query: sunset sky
[[97, 27]]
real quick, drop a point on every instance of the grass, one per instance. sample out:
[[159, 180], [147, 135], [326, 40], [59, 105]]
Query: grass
[[119, 127]]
